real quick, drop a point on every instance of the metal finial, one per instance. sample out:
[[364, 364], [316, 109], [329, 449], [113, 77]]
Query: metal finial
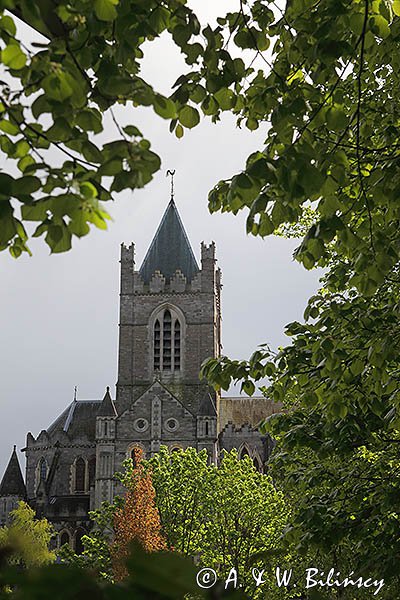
[[75, 392], [171, 174]]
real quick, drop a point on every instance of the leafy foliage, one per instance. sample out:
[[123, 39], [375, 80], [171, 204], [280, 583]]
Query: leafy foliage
[[330, 98], [153, 576], [28, 538], [228, 516], [54, 101]]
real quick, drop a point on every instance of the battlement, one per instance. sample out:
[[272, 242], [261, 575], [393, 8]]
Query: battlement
[[178, 282], [157, 283], [207, 251], [128, 252]]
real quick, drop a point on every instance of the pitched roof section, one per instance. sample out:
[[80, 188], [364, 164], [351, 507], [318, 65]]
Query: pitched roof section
[[107, 407], [170, 249], [12, 483], [78, 419]]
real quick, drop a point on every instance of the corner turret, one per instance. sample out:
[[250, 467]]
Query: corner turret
[[12, 488]]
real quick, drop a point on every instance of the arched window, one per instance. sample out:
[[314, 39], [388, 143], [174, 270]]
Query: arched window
[[167, 342], [177, 346], [80, 472], [157, 342], [257, 464], [92, 470], [244, 452], [64, 538], [167, 339], [42, 469]]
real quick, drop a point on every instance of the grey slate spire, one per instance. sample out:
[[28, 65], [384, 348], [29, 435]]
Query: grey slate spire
[[107, 407], [12, 483], [207, 406], [170, 249]]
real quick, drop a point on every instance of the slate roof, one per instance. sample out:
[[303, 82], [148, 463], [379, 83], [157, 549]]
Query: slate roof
[[12, 483], [170, 249], [78, 419]]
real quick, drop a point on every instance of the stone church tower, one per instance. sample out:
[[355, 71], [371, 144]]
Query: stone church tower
[[170, 322]]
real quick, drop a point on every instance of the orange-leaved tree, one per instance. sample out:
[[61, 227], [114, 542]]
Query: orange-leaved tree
[[138, 519]]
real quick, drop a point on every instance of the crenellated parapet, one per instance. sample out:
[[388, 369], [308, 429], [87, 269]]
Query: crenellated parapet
[[138, 283], [178, 282], [157, 283]]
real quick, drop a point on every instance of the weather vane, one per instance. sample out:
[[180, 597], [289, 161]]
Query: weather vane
[[171, 174]]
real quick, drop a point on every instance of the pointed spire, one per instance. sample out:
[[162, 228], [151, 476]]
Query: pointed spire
[[107, 407], [170, 249], [12, 483], [207, 406]]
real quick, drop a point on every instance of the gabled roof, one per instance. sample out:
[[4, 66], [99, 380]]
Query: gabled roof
[[79, 418], [107, 407], [170, 249], [12, 483]]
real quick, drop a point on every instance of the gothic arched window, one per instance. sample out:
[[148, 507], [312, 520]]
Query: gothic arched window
[[167, 341], [244, 452], [80, 472], [177, 345], [42, 469], [64, 538], [257, 464], [157, 342]]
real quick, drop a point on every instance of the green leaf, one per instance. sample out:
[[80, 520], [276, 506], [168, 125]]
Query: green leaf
[[88, 190], [91, 152], [396, 7], [7, 24], [58, 238], [6, 184], [105, 9], [336, 119], [57, 86], [9, 127], [380, 26], [159, 19], [179, 131], [90, 120], [35, 212], [164, 107], [13, 57], [132, 131], [26, 185], [189, 117]]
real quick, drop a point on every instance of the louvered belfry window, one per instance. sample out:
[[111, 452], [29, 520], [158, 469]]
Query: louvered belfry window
[[167, 342]]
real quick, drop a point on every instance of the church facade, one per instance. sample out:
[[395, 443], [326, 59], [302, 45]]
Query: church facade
[[170, 322]]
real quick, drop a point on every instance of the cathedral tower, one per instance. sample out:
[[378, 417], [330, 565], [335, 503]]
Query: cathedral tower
[[169, 324]]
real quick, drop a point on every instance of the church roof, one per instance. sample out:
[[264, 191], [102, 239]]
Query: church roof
[[170, 249], [78, 419], [12, 483], [107, 407]]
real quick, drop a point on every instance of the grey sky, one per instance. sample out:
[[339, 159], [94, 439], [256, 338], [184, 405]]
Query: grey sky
[[59, 314]]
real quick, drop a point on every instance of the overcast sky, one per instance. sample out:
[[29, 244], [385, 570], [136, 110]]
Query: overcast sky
[[59, 313]]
